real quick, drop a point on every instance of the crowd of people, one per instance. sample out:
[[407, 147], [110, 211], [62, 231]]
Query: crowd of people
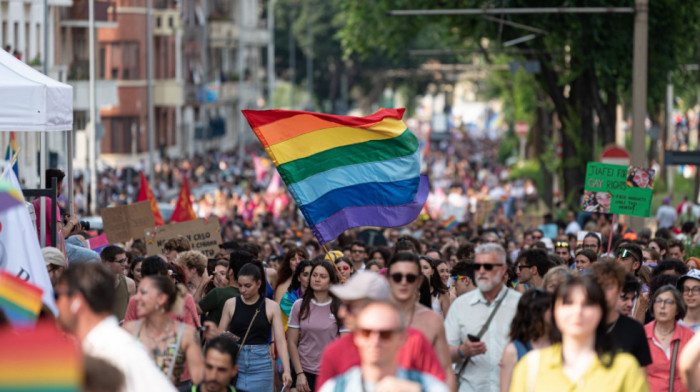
[[500, 301], [467, 310]]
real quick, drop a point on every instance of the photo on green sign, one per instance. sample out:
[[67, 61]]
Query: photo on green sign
[[638, 177], [597, 202]]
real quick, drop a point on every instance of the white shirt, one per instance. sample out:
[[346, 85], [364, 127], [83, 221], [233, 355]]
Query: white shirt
[[113, 344], [467, 315], [572, 228]]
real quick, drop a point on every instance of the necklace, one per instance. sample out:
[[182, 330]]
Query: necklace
[[664, 334], [612, 326], [167, 329]]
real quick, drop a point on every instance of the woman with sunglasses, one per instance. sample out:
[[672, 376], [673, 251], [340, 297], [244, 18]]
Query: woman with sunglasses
[[583, 358], [286, 270], [250, 319], [667, 338], [530, 330], [313, 324], [344, 268], [439, 295]]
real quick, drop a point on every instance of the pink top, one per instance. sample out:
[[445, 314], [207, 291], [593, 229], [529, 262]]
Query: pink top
[[659, 372], [47, 212], [416, 354]]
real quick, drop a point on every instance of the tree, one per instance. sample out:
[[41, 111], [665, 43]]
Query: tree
[[585, 59]]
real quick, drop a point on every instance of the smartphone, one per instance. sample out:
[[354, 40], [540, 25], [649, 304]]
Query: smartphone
[[473, 338]]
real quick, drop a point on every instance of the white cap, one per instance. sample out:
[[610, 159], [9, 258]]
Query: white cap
[[363, 285]]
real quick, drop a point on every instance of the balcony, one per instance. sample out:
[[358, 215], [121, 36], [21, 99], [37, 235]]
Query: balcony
[[78, 14], [224, 33], [169, 92], [166, 21]]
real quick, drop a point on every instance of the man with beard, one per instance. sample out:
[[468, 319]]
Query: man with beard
[[220, 366], [468, 315]]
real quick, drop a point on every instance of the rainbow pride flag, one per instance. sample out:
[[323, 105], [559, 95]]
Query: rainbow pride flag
[[19, 300], [41, 359], [450, 223], [345, 171], [11, 151]]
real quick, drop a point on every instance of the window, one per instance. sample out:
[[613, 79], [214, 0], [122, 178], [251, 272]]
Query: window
[[124, 60]]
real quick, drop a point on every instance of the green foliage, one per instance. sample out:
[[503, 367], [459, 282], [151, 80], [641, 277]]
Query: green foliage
[[509, 146]]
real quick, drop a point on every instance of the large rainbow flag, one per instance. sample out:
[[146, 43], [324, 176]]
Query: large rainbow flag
[[41, 359], [345, 171]]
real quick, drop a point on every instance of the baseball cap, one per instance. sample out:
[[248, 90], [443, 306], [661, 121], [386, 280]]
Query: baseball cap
[[692, 274], [53, 256], [363, 284]]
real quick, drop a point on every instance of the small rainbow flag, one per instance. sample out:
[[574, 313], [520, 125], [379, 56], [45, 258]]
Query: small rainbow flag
[[19, 300], [39, 360], [11, 151], [345, 171], [450, 223]]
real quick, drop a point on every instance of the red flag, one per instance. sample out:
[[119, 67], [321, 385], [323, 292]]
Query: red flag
[[145, 193], [183, 209]]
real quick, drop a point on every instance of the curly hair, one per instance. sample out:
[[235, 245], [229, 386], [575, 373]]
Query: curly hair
[[193, 259], [529, 323]]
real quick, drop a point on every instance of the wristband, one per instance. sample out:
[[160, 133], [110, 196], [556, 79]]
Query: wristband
[[461, 353]]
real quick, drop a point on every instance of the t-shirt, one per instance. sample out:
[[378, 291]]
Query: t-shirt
[[316, 331], [416, 353], [212, 304], [666, 216], [623, 375], [352, 381], [629, 336]]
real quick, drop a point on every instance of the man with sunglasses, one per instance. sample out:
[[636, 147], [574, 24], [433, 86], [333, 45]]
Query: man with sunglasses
[[405, 279], [114, 258], [463, 277], [629, 255], [379, 335], [561, 249], [531, 267], [358, 255], [468, 316], [361, 289]]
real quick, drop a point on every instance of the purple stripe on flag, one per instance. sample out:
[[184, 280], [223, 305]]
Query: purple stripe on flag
[[383, 216]]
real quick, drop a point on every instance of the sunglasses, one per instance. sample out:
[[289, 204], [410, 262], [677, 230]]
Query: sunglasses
[[410, 278], [459, 277], [487, 266], [521, 267], [384, 334], [561, 244], [121, 261], [624, 253], [58, 293], [344, 268]]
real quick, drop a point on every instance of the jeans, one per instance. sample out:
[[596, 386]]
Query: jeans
[[255, 368]]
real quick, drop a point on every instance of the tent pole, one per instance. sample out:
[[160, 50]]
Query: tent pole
[[70, 172], [42, 174]]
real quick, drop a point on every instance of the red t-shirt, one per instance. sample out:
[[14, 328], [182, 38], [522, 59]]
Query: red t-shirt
[[416, 354]]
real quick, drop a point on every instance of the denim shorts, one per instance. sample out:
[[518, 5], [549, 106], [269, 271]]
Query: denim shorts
[[255, 368]]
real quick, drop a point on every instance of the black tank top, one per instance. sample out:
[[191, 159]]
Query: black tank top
[[259, 331]]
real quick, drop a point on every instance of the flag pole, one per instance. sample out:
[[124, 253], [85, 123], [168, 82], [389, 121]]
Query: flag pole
[[612, 230], [14, 157]]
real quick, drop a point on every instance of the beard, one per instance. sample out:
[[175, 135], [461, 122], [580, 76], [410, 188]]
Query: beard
[[486, 286]]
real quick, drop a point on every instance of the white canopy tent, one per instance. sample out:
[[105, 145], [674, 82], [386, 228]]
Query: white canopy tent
[[31, 101]]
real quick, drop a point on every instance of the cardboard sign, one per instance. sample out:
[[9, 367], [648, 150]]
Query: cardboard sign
[[123, 223], [615, 189], [203, 236]]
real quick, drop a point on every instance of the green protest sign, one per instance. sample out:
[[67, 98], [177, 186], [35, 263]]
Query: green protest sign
[[615, 189]]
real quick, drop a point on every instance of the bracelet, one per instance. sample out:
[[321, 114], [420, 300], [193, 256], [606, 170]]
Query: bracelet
[[461, 353], [301, 372]]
